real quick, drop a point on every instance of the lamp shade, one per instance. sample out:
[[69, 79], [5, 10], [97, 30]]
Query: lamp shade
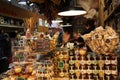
[[9, 0], [22, 2], [72, 12]]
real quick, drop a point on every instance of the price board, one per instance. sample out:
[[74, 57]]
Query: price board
[[42, 45]]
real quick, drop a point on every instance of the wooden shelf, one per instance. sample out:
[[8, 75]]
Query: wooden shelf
[[10, 26], [10, 10]]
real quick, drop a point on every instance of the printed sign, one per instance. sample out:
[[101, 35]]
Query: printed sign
[[43, 45]]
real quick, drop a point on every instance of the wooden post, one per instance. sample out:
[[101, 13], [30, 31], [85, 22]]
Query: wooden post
[[101, 12]]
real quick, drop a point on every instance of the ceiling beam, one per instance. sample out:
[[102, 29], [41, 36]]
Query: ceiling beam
[[38, 1]]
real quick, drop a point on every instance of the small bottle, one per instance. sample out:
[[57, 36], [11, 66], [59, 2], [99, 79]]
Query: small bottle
[[114, 69]]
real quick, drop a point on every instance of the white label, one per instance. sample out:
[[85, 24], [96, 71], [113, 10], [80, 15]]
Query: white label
[[82, 62], [107, 61], [83, 71], [89, 71], [114, 62], [108, 72], [114, 72]]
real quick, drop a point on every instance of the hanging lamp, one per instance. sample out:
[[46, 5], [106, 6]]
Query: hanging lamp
[[72, 10], [9, 0], [22, 2]]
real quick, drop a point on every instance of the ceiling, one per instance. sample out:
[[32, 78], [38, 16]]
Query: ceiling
[[50, 8], [86, 3]]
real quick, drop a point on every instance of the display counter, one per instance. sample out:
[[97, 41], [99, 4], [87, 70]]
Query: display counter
[[65, 63]]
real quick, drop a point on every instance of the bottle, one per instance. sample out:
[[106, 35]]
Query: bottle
[[114, 69], [107, 67]]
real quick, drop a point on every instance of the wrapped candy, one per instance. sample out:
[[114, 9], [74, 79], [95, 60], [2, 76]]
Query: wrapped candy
[[102, 40]]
